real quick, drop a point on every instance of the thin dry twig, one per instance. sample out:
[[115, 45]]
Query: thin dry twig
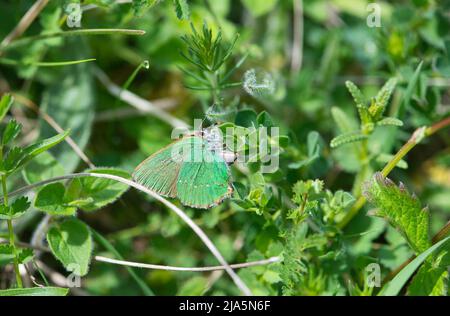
[[297, 43], [31, 105], [138, 102], [25, 22]]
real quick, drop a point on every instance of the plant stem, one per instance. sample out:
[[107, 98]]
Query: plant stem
[[27, 40], [418, 135], [11, 235]]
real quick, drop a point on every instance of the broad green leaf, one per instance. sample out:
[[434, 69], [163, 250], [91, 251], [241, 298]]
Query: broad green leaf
[[5, 104], [428, 281], [258, 7], [264, 119], [70, 101], [181, 9], [41, 168], [71, 243], [36, 291], [11, 131], [401, 209], [246, 118], [101, 192], [347, 138], [53, 200], [396, 284]]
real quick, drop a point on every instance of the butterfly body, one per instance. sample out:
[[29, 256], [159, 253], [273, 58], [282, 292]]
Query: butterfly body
[[193, 169]]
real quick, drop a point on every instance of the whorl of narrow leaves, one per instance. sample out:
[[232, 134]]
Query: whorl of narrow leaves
[[356, 93], [400, 208], [347, 138]]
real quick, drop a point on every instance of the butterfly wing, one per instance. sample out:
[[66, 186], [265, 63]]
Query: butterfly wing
[[160, 171], [203, 180]]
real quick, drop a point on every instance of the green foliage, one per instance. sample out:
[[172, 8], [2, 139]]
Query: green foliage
[[182, 9], [91, 194], [337, 92], [71, 243], [402, 209], [16, 209], [36, 291]]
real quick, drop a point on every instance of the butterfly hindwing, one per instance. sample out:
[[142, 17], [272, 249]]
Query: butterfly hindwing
[[160, 171], [203, 180]]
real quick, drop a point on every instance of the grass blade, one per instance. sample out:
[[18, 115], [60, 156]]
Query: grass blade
[[396, 284]]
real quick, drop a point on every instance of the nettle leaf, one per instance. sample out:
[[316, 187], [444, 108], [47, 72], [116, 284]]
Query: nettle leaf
[[5, 104], [402, 209], [71, 243], [347, 138], [97, 192], [53, 200], [43, 167], [36, 291], [356, 93], [429, 280], [16, 209], [181, 9], [12, 129]]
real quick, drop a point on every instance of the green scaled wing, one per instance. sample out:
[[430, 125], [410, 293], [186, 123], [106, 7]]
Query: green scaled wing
[[204, 177], [159, 172]]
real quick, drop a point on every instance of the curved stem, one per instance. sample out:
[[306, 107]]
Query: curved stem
[[208, 243], [188, 269]]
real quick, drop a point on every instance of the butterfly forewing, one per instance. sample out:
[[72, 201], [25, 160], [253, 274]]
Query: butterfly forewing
[[203, 180], [160, 171]]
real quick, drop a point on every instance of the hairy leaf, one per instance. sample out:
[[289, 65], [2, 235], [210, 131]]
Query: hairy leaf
[[356, 93], [53, 200], [43, 167], [97, 192], [71, 243], [428, 281], [347, 138], [400, 208]]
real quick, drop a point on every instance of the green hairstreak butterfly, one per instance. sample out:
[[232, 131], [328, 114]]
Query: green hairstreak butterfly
[[193, 169]]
